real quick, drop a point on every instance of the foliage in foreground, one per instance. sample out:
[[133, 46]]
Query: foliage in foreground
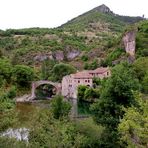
[[134, 125], [59, 107], [49, 132], [116, 93]]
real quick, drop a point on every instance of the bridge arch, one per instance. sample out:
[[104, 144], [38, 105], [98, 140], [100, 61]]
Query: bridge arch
[[36, 84]]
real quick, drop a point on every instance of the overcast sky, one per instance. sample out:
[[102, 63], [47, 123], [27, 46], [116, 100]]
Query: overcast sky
[[53, 13]]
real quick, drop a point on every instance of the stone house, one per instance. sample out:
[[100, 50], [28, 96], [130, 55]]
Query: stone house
[[71, 82]]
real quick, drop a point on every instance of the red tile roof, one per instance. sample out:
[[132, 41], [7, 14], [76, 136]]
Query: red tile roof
[[87, 73], [82, 75]]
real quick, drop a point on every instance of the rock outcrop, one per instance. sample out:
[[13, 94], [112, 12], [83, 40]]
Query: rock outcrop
[[58, 55], [43, 56], [103, 9], [20, 134], [72, 54], [129, 42]]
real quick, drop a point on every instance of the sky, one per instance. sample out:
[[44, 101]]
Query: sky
[[17, 14]]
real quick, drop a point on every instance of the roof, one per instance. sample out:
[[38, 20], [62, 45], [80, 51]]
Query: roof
[[87, 73], [82, 75]]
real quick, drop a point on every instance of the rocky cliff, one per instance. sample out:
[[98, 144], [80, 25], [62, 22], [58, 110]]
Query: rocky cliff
[[129, 42], [103, 9]]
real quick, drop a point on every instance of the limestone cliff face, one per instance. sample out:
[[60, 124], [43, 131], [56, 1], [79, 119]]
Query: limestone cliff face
[[129, 42]]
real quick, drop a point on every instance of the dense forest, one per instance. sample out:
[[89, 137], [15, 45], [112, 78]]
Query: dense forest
[[114, 113]]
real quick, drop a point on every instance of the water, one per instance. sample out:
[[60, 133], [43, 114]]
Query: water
[[27, 110]]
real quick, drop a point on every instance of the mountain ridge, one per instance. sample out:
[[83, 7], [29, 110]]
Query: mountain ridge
[[103, 9]]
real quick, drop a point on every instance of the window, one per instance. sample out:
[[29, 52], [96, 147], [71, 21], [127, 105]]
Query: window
[[85, 80], [78, 81], [107, 73], [88, 81]]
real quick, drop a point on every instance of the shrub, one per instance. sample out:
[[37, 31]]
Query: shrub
[[59, 107], [61, 70], [23, 75]]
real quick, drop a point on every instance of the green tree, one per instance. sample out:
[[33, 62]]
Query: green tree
[[5, 69], [23, 75], [61, 70], [116, 93], [134, 125], [81, 92], [1, 53], [91, 94], [11, 143], [141, 67], [145, 83], [46, 68], [59, 107], [8, 115], [96, 81], [91, 130], [49, 132], [92, 65], [86, 93]]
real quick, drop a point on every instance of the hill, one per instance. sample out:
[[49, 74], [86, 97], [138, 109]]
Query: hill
[[99, 16], [84, 40]]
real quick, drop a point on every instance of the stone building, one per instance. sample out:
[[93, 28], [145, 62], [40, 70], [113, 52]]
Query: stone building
[[71, 82]]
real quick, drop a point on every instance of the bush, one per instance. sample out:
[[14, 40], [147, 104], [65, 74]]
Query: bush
[[23, 75], [91, 130], [91, 66], [84, 58], [88, 94], [59, 107], [141, 67], [5, 70], [114, 55], [61, 70], [145, 83]]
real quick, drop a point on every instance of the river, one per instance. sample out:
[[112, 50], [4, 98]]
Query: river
[[26, 112], [27, 109]]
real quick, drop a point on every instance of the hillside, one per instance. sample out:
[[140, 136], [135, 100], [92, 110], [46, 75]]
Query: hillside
[[35, 68], [98, 17], [80, 41]]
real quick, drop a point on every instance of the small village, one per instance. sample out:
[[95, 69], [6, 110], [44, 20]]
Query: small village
[[71, 82], [73, 74]]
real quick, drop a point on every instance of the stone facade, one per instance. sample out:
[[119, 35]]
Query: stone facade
[[71, 82]]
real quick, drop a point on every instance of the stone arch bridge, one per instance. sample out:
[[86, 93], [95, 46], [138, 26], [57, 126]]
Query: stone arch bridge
[[36, 84]]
